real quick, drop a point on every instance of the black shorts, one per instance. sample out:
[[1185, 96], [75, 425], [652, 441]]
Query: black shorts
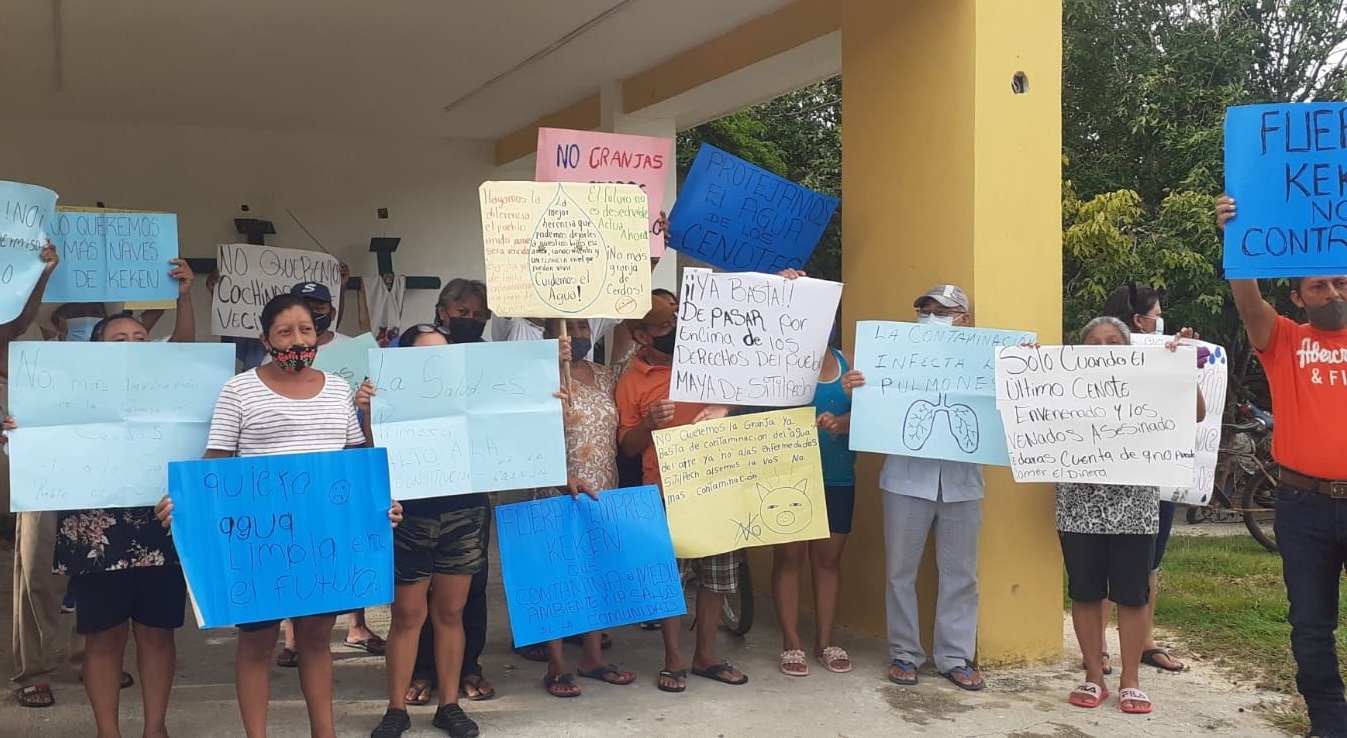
[[153, 596], [452, 543], [1116, 567], [841, 508]]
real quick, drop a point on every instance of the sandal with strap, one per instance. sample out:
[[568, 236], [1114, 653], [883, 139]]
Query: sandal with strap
[[1088, 694], [561, 685], [680, 675], [975, 681], [835, 659], [1152, 658], [720, 673], [1134, 702], [37, 695], [288, 658], [793, 663], [618, 677], [903, 669]]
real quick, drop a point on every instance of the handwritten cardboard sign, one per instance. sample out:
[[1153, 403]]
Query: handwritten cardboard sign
[[576, 565], [751, 339], [556, 250], [930, 391], [112, 256], [609, 158], [476, 417], [251, 275], [99, 422], [1286, 167], [742, 218], [742, 481], [348, 359], [1213, 376], [272, 537], [1098, 414], [25, 213]]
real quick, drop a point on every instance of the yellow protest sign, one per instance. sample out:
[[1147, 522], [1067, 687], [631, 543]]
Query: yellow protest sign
[[566, 250], [748, 480]]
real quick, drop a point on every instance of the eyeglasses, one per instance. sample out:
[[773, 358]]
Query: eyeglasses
[[428, 328], [941, 312]]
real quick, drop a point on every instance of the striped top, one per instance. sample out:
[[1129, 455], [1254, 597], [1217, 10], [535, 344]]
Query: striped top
[[252, 420]]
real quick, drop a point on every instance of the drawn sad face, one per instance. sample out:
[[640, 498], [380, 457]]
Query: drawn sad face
[[785, 510]]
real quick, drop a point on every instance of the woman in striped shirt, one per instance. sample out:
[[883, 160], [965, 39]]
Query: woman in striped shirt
[[284, 407]]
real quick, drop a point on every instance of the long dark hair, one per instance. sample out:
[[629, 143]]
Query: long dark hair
[[1129, 301]]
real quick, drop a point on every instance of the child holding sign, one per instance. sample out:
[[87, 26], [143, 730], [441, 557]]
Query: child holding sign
[[284, 407]]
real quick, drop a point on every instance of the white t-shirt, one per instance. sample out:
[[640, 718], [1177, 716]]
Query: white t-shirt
[[521, 329], [336, 339], [252, 420]]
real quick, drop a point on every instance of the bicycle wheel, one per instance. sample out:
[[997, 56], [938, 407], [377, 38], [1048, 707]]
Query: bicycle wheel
[[1259, 507], [737, 614], [1195, 514]]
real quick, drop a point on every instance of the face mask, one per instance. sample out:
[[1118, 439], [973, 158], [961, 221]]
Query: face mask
[[580, 348], [1159, 327], [665, 343], [465, 330], [295, 359], [1330, 317], [321, 323], [80, 329], [931, 319]]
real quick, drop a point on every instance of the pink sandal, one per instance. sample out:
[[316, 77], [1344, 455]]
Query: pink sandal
[[835, 659], [793, 663], [1088, 694], [1134, 702]]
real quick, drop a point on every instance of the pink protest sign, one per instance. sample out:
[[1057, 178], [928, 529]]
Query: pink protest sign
[[587, 156]]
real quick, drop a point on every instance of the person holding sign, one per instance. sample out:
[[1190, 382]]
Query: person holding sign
[[1306, 366], [922, 495], [833, 405], [643, 406], [1107, 534], [284, 407], [437, 549]]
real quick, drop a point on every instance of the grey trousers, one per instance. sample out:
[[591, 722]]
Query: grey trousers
[[39, 632], [907, 521]]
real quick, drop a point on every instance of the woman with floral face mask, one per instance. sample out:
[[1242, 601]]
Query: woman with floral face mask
[[284, 407]]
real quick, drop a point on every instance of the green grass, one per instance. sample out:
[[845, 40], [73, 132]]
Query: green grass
[[1223, 597]]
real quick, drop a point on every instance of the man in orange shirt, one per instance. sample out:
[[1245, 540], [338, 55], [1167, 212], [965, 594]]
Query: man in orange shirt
[[1306, 367], [643, 406]]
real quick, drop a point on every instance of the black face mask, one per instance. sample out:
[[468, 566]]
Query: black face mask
[[321, 323], [580, 348], [665, 343], [465, 330], [1329, 317]]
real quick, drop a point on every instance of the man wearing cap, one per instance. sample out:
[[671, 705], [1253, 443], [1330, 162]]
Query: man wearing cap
[[643, 406], [319, 299], [922, 495]]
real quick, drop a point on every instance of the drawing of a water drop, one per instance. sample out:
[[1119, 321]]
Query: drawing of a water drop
[[568, 258]]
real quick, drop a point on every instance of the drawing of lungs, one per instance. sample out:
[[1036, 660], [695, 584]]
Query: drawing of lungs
[[918, 424], [963, 423]]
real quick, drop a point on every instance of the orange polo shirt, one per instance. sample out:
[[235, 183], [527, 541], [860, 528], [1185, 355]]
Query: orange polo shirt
[[642, 385], [1307, 372]]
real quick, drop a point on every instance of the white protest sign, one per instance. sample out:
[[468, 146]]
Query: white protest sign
[[251, 275], [1098, 414], [751, 339], [1213, 375]]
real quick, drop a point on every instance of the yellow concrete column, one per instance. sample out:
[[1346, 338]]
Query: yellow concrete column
[[952, 173]]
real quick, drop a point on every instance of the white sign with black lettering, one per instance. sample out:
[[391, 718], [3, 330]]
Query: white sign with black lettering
[[1213, 374], [1099, 414], [251, 275], [751, 339]]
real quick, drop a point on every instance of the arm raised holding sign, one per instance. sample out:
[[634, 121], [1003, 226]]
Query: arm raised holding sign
[[1259, 317]]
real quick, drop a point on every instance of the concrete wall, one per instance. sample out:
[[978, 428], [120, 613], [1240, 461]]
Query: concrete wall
[[334, 184]]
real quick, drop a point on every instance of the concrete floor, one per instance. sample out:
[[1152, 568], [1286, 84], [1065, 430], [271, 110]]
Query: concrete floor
[[1018, 702]]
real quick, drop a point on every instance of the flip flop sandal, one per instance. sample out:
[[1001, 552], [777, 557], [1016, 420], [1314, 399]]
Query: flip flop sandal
[[468, 683], [1089, 695], [1108, 668], [288, 658], [601, 674], [905, 666], [1134, 702], [536, 654], [374, 646], [965, 671], [557, 686], [793, 664], [681, 674], [37, 695], [127, 681], [717, 674], [1149, 658], [419, 692], [605, 642], [831, 657], [654, 625]]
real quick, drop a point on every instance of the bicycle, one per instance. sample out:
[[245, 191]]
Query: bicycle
[[1245, 472], [737, 614]]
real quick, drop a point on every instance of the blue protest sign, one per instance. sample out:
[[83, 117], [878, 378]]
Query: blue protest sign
[[742, 218], [99, 422], [112, 256], [25, 213], [930, 391], [476, 417], [576, 565], [1286, 167], [271, 537]]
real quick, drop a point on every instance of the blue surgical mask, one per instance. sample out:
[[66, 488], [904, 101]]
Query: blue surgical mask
[[931, 319], [80, 329]]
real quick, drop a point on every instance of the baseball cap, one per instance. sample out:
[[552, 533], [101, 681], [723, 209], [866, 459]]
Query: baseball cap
[[947, 295], [312, 291]]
